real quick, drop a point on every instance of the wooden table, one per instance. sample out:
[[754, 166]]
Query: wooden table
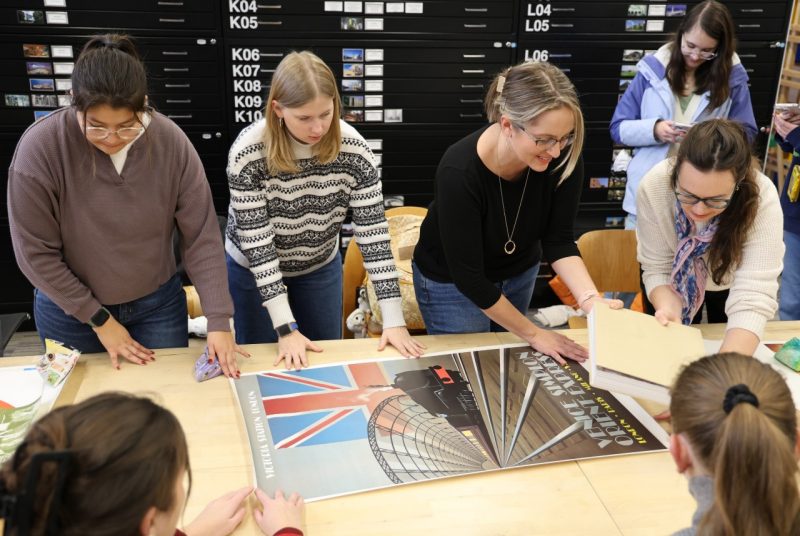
[[629, 495]]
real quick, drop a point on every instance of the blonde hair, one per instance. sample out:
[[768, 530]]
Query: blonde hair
[[748, 447], [299, 78], [527, 90]]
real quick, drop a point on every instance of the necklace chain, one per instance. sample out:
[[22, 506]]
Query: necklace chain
[[510, 246]]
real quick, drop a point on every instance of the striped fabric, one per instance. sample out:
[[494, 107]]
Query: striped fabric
[[288, 224]]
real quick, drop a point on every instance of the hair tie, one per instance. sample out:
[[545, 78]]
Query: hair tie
[[737, 394], [501, 82]]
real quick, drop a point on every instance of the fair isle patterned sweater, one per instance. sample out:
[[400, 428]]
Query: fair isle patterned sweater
[[288, 224]]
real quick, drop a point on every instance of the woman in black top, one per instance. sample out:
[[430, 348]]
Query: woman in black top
[[505, 196]]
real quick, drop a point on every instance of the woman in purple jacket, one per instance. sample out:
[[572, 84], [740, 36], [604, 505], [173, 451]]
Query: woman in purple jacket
[[695, 77]]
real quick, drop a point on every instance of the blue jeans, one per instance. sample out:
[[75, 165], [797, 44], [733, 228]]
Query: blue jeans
[[315, 299], [158, 320], [789, 303], [446, 310]]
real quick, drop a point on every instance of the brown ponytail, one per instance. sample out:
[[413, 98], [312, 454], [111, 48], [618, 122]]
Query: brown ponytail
[[126, 456], [749, 451]]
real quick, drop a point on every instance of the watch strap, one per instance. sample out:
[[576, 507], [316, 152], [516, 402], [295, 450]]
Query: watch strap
[[286, 329]]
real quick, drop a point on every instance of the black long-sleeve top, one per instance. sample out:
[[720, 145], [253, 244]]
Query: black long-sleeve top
[[462, 237]]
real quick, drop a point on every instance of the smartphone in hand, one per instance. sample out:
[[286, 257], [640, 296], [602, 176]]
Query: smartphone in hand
[[683, 127]]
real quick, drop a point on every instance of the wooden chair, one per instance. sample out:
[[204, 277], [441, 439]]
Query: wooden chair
[[610, 258], [354, 272]]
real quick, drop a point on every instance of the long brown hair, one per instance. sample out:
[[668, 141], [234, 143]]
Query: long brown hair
[[531, 88], [127, 453], [713, 75], [721, 145], [300, 78], [750, 451]]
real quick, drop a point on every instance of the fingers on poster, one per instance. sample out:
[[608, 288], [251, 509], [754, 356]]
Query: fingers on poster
[[338, 429]]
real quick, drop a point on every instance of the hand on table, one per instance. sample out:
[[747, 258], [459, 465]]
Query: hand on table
[[557, 346], [119, 343], [278, 513], [221, 516], [292, 349], [401, 339], [222, 347]]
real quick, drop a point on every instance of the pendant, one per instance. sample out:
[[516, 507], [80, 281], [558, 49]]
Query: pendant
[[509, 247]]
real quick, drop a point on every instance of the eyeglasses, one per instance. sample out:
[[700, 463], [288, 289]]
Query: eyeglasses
[[101, 133], [692, 50], [548, 143], [711, 202]]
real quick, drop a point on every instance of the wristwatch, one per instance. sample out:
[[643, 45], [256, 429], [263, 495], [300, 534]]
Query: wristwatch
[[99, 318], [286, 329]]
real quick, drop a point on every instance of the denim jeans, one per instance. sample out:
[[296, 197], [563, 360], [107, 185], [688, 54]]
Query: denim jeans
[[315, 299], [446, 310], [789, 303], [157, 320]]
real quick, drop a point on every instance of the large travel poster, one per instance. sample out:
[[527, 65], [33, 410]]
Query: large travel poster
[[336, 429]]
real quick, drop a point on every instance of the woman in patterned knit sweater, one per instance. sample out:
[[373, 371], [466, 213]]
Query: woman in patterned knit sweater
[[293, 176], [709, 232]]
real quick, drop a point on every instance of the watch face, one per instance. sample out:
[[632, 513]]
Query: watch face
[[99, 318]]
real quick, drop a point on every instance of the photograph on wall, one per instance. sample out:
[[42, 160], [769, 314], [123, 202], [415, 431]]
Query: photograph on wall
[[635, 25], [33, 50], [617, 181], [352, 115], [352, 85], [352, 23], [41, 114], [397, 421], [38, 68], [624, 83], [352, 54], [353, 101], [42, 84], [17, 100], [30, 16], [631, 54], [353, 70], [64, 100], [598, 182], [44, 101], [637, 10], [616, 195], [628, 71], [615, 222], [676, 10]]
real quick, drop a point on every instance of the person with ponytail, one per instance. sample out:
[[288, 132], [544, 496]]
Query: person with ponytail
[[695, 77], [505, 197], [118, 465], [709, 234], [95, 191], [734, 436]]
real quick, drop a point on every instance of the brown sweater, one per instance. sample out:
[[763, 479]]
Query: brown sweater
[[85, 235]]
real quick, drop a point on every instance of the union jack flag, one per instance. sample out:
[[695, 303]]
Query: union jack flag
[[323, 404]]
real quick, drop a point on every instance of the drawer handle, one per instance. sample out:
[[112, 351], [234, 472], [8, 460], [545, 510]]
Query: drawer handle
[[570, 9], [465, 116], [179, 101], [177, 85], [471, 86], [472, 71], [178, 21], [476, 9], [757, 10], [748, 55], [562, 25], [162, 3], [474, 56], [174, 53], [464, 101], [272, 54], [270, 6], [561, 55], [474, 26], [186, 116], [749, 26], [270, 22], [176, 69]]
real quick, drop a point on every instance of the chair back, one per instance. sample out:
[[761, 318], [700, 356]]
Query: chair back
[[610, 257], [354, 272]]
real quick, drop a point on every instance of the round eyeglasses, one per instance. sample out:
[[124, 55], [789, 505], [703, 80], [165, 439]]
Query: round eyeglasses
[[101, 133], [711, 202], [691, 50], [548, 143]]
